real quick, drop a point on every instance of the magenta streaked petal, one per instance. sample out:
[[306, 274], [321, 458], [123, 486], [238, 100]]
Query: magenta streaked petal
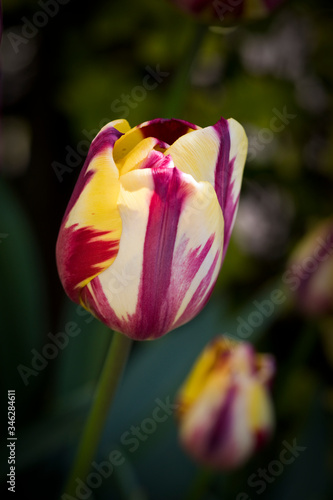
[[146, 229], [168, 272], [104, 140], [165, 208], [225, 410], [155, 159], [74, 270], [310, 270], [95, 300], [220, 431], [203, 291], [224, 182], [89, 236], [215, 154], [165, 268]]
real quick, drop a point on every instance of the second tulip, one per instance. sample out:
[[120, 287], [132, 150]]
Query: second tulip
[[225, 410]]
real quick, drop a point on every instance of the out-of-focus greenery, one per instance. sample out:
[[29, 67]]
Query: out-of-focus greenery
[[62, 81]]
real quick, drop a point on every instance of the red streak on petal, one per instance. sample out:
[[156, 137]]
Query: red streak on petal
[[221, 430], [204, 290], [223, 180], [81, 254], [155, 159], [167, 275], [153, 316], [100, 307]]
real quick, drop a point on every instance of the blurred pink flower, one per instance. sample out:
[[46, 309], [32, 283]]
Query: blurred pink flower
[[228, 10], [310, 270]]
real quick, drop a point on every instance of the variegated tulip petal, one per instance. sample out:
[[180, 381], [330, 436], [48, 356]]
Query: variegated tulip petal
[[169, 256], [310, 270], [265, 368], [90, 232], [209, 360], [216, 431], [138, 154], [230, 441], [166, 131], [228, 422], [260, 412], [155, 159], [121, 125], [215, 154], [225, 409]]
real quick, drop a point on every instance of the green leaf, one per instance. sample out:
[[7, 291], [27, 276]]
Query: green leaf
[[23, 307]]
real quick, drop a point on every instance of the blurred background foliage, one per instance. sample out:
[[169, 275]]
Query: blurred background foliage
[[59, 86]]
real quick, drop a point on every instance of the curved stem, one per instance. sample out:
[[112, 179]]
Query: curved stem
[[200, 485], [105, 391]]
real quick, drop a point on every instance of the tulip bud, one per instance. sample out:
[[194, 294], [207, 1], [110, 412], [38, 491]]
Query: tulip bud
[[310, 270], [225, 411], [148, 224], [228, 11]]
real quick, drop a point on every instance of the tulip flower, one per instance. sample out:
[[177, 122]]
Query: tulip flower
[[310, 270], [225, 412], [148, 224], [228, 10]]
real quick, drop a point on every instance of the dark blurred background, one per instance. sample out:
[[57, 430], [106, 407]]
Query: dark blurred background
[[66, 70]]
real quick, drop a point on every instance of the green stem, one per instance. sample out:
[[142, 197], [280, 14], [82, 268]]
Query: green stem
[[179, 86], [105, 391], [200, 485]]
